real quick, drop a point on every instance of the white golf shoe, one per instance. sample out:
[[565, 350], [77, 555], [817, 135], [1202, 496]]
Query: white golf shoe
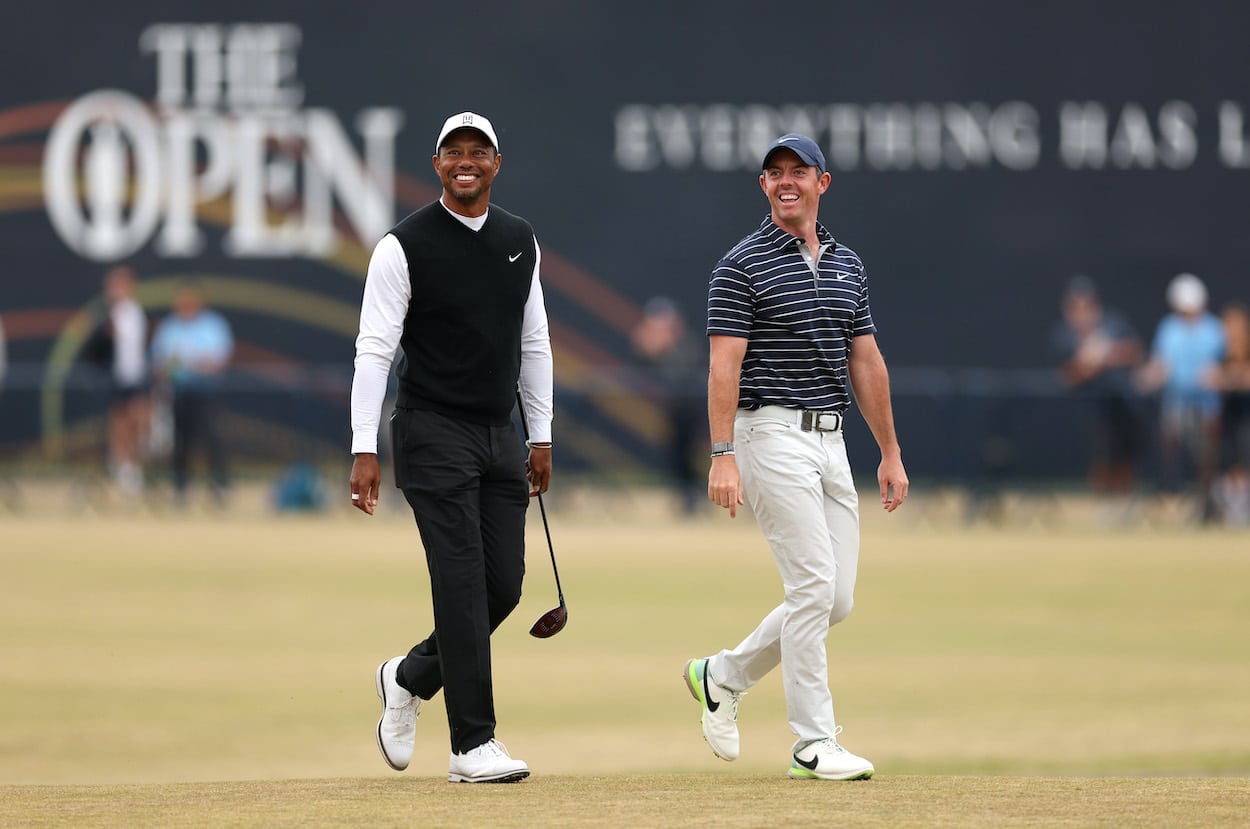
[[397, 728], [488, 763], [826, 760], [720, 710]]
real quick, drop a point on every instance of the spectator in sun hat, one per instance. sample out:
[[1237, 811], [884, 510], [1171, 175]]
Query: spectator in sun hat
[[1184, 360]]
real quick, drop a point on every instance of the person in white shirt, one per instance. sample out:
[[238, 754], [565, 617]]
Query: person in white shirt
[[129, 409], [455, 287]]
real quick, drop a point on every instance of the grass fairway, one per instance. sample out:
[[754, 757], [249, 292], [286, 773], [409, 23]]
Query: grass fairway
[[679, 800], [204, 670]]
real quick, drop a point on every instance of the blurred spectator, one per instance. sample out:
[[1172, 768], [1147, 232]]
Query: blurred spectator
[[190, 352], [1232, 379], [1188, 347], [677, 362], [299, 489], [1231, 496], [126, 330], [1098, 351], [4, 354]]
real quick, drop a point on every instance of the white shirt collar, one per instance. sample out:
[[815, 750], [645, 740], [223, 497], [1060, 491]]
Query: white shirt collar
[[472, 223]]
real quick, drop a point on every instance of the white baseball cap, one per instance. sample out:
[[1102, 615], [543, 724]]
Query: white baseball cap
[[470, 121], [1187, 294]]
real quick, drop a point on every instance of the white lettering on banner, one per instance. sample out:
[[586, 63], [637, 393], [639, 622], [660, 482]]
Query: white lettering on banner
[[226, 127], [1178, 133], [1083, 135], [1233, 149], [926, 136], [246, 67], [1089, 139], [119, 129], [878, 136]]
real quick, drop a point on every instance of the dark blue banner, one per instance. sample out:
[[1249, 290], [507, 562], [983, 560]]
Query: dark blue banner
[[982, 154]]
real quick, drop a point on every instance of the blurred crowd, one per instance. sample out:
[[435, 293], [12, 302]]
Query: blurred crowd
[[163, 385], [1169, 413], [674, 358], [1195, 373]]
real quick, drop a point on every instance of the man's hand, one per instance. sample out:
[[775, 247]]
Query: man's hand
[[724, 486], [365, 480], [892, 479], [538, 469]]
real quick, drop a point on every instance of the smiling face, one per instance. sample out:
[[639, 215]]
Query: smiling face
[[793, 189], [467, 164]]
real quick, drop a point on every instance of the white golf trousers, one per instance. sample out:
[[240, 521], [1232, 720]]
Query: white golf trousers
[[799, 486]]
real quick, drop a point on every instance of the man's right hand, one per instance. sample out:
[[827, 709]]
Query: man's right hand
[[365, 481]]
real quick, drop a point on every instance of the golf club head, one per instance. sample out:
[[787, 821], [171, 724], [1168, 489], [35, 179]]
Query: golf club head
[[551, 622]]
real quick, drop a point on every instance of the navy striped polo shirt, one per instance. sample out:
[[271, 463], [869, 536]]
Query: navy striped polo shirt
[[798, 327]]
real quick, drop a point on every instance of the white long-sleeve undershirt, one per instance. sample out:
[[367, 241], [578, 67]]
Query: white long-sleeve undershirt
[[388, 291]]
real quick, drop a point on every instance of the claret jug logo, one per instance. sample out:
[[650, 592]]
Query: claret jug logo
[[225, 138]]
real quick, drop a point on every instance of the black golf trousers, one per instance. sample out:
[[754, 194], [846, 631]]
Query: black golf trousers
[[467, 487], [195, 427]]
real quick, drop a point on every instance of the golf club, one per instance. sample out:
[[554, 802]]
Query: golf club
[[553, 621]]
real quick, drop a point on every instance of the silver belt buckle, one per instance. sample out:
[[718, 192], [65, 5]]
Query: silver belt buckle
[[821, 421]]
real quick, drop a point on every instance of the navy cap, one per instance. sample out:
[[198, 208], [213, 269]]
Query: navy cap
[[803, 146]]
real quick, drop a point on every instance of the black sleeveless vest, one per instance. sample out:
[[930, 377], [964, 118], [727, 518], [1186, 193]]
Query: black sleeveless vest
[[461, 340]]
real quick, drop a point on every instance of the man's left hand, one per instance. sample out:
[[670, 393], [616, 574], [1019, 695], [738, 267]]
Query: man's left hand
[[538, 469], [892, 478]]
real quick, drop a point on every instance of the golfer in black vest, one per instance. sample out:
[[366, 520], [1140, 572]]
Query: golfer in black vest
[[455, 285]]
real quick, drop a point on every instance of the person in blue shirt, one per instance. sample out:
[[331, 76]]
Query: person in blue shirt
[[1185, 357], [191, 350]]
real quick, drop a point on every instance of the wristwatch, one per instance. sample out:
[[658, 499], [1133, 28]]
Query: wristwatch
[[722, 447]]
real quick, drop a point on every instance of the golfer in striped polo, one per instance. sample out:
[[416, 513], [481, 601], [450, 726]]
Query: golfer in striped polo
[[791, 336]]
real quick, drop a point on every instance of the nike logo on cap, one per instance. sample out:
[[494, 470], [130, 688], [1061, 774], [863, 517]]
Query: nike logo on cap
[[515, 256], [787, 138]]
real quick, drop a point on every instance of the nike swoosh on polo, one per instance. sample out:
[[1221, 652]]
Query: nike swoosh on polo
[[515, 256], [810, 765], [711, 704]]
